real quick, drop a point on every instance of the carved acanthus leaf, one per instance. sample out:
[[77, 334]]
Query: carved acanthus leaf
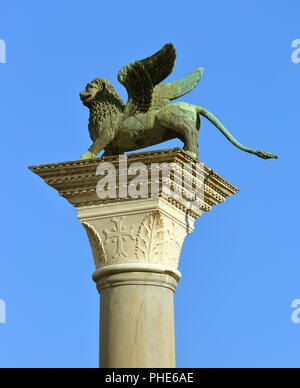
[[174, 245], [151, 238], [96, 245]]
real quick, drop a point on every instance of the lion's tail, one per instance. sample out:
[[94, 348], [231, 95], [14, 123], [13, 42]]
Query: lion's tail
[[209, 116]]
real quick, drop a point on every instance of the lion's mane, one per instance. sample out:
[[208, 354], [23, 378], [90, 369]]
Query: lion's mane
[[106, 103]]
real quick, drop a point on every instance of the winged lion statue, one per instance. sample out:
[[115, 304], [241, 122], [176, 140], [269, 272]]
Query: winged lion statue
[[149, 117]]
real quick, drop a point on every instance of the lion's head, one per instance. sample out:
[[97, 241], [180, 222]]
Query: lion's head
[[103, 102], [99, 91]]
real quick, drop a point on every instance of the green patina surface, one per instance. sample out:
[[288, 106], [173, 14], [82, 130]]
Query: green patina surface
[[149, 117]]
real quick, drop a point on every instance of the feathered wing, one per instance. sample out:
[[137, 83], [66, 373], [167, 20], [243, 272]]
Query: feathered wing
[[160, 65], [141, 77], [164, 93]]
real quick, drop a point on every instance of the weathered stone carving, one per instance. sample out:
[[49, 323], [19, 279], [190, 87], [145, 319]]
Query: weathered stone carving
[[77, 180], [157, 240], [117, 235], [148, 118], [175, 241], [150, 240], [148, 231], [98, 251]]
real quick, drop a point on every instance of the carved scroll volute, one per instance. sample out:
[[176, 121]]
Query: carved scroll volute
[[96, 245], [150, 241]]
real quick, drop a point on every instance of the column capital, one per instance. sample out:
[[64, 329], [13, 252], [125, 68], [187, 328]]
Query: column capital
[[146, 230], [149, 231]]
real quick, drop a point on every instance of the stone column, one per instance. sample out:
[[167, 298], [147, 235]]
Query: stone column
[[136, 245], [137, 315]]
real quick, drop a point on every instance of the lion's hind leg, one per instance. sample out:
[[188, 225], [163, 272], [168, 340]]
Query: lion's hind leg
[[183, 121]]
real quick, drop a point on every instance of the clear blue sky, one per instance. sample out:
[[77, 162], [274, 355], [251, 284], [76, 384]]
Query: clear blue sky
[[241, 266]]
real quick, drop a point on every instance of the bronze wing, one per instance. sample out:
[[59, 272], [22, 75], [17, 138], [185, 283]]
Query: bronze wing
[[140, 78], [164, 93]]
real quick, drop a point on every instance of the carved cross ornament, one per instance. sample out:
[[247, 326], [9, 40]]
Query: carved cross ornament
[[117, 235]]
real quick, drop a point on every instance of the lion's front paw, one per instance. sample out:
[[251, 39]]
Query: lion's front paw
[[192, 154], [87, 155]]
